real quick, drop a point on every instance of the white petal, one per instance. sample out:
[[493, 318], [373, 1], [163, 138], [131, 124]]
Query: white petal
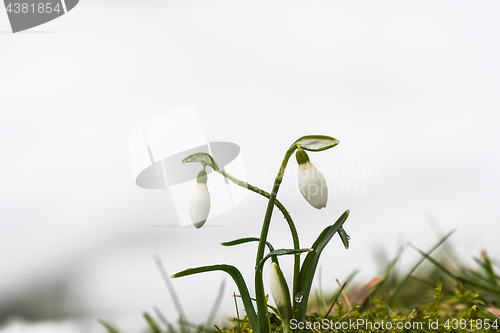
[[312, 185], [199, 205], [277, 289]]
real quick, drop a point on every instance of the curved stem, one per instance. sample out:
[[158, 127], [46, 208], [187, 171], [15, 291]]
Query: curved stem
[[286, 215], [259, 283]]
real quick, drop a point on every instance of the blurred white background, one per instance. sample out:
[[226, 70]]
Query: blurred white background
[[409, 88]]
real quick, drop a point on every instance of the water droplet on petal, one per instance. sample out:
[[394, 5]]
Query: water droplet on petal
[[299, 297]]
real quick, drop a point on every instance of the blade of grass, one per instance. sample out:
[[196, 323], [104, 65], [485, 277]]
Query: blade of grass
[[151, 323], [453, 276], [171, 290], [237, 312], [479, 276], [345, 295], [217, 303], [428, 283], [441, 267], [321, 295], [349, 312], [198, 327], [448, 248], [415, 266], [491, 273], [108, 326], [334, 300], [163, 319], [489, 270]]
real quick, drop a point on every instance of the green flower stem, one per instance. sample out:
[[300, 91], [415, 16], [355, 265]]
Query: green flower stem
[[286, 215], [259, 283]]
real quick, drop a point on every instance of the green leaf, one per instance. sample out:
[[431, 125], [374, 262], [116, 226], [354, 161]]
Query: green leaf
[[281, 252], [152, 323], [453, 276], [318, 246], [240, 283], [248, 240], [316, 142], [203, 158], [310, 263], [216, 305], [108, 326]]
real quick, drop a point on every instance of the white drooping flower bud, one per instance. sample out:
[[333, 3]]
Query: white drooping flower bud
[[312, 184], [281, 296], [279, 289], [199, 203]]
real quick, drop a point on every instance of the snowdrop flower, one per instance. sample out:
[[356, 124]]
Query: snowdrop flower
[[312, 184], [278, 290], [281, 296], [199, 203]]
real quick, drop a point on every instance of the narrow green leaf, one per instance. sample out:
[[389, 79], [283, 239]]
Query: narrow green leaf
[[216, 306], [163, 319], [240, 283], [308, 269], [237, 312], [203, 158], [152, 323], [335, 300], [320, 243], [441, 267], [281, 252], [264, 319], [171, 289], [248, 240], [488, 267], [108, 326], [316, 142], [453, 276], [347, 281]]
